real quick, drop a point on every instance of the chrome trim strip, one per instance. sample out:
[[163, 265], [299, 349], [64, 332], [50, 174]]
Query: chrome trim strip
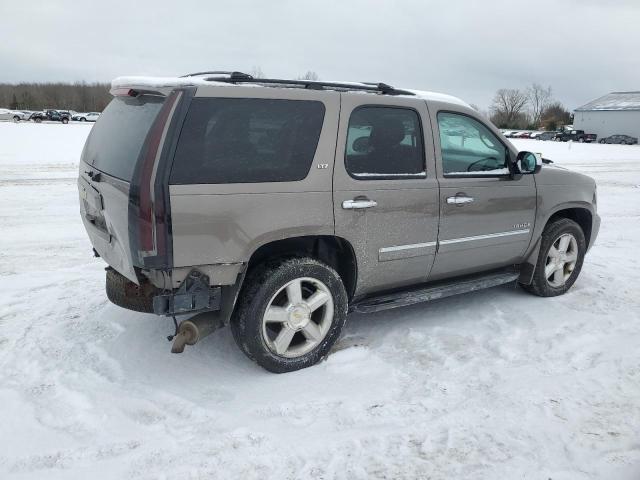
[[484, 237], [407, 247]]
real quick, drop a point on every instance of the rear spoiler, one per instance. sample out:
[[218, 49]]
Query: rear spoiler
[[155, 85], [134, 92]]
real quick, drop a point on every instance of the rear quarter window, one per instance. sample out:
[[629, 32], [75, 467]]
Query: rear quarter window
[[247, 140]]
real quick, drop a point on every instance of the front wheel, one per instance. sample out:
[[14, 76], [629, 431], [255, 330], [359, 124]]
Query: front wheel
[[290, 313], [65, 121], [562, 251], [82, 119], [581, 140], [16, 119]]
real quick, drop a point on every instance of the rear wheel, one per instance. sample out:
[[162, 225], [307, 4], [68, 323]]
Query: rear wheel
[[581, 140], [560, 260], [82, 119], [65, 120], [602, 141], [37, 120], [290, 313], [16, 118]]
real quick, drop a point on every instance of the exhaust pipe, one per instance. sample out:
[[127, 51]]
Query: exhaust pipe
[[194, 329]]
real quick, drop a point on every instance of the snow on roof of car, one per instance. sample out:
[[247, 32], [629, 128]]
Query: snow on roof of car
[[439, 97], [167, 82], [160, 82], [614, 101]]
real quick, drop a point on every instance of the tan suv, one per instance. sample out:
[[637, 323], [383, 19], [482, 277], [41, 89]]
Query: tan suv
[[277, 206]]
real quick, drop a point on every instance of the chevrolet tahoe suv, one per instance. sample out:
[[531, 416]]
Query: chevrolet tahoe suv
[[278, 206]]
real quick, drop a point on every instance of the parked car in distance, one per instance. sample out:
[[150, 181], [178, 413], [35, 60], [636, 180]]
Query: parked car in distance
[[35, 115], [85, 117], [278, 206], [620, 139], [6, 114], [575, 136], [21, 115], [62, 116], [546, 136]]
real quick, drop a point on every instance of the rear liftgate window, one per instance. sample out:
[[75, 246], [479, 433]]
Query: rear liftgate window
[[116, 139], [247, 140]]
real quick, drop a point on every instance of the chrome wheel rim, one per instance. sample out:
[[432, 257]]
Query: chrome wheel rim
[[298, 317], [561, 260]]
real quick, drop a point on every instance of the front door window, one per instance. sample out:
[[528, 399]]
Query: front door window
[[469, 147]]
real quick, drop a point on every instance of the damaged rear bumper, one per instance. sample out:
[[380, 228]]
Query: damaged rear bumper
[[192, 296]]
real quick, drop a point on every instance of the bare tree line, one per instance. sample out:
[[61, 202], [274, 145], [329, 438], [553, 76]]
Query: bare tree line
[[256, 72], [531, 108], [79, 96]]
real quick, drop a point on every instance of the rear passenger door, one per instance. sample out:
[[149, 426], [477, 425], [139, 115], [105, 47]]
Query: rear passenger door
[[486, 217], [385, 190]]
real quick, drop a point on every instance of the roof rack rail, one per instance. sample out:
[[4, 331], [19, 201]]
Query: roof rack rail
[[239, 77], [235, 75]]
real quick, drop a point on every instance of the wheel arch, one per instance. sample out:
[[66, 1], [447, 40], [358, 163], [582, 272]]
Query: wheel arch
[[335, 251], [579, 213]]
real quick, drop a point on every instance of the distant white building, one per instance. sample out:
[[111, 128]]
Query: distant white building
[[615, 113]]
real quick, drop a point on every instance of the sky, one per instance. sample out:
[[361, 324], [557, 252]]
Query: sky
[[581, 48]]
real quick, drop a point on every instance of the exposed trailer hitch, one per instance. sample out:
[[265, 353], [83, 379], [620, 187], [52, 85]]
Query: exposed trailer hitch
[[194, 295]]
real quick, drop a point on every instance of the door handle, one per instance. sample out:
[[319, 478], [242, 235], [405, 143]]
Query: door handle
[[460, 200], [359, 203]]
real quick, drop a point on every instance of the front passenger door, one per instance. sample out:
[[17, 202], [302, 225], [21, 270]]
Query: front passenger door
[[486, 217]]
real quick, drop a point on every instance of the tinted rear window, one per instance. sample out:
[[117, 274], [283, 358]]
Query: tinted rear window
[[247, 140], [117, 137]]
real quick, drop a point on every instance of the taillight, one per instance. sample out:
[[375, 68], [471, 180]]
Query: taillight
[[151, 215]]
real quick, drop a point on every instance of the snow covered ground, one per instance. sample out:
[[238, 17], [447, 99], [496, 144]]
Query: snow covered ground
[[493, 385]]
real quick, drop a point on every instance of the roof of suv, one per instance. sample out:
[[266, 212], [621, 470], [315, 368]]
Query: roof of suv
[[226, 79]]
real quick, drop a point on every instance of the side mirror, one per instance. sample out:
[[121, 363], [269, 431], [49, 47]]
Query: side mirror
[[528, 163]]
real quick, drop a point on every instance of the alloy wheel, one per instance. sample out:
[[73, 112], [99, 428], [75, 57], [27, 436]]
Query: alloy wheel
[[298, 317], [561, 260]]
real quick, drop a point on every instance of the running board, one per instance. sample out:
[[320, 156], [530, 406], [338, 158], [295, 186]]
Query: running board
[[433, 292]]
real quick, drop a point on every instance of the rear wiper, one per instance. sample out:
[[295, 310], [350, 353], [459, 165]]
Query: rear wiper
[[95, 176]]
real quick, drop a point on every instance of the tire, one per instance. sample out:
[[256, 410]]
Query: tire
[[581, 140], [37, 120], [623, 142], [16, 119], [602, 141], [266, 287], [544, 286], [65, 121], [123, 292], [82, 119]]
